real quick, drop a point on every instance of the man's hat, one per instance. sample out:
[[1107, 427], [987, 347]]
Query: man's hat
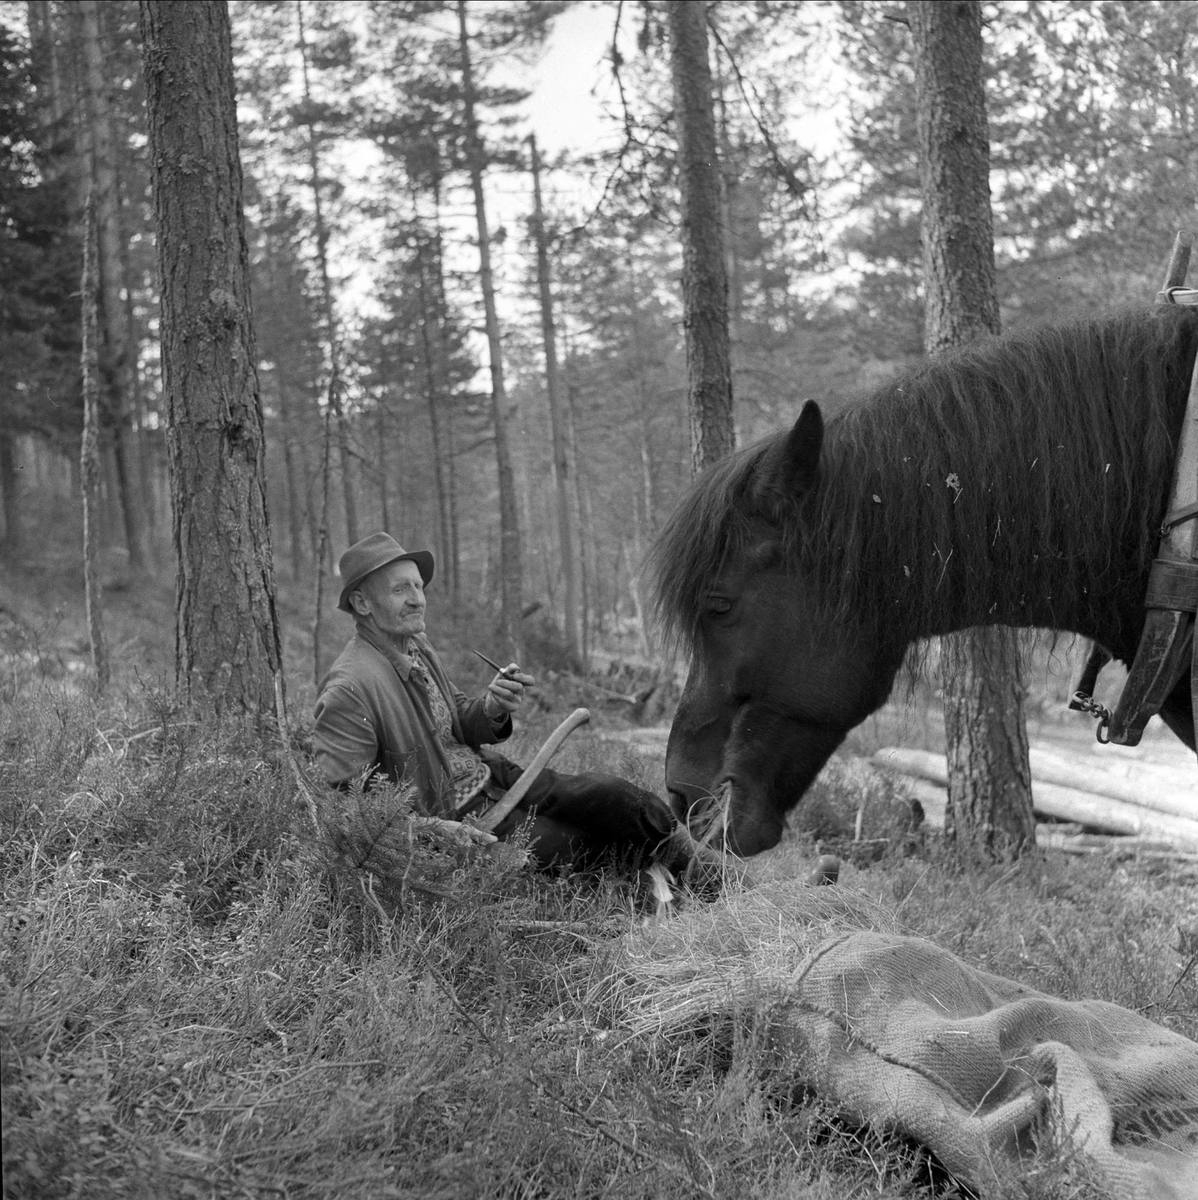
[[373, 552]]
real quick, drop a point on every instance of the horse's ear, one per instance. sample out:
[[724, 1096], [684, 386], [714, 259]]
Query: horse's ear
[[800, 454]]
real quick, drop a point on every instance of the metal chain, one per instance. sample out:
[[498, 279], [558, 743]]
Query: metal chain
[[1086, 703]]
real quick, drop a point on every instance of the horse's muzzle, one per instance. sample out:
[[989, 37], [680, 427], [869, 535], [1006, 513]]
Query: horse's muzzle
[[684, 797]]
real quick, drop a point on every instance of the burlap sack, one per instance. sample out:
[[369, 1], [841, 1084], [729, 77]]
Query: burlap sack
[[900, 1033]]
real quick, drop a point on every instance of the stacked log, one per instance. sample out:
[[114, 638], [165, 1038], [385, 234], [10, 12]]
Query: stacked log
[[1157, 805]]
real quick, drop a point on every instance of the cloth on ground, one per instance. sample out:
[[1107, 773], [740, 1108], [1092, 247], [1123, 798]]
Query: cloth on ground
[[898, 1032], [906, 1035]]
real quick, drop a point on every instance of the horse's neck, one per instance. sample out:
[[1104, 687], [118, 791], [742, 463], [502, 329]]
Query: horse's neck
[[978, 581], [1065, 593]]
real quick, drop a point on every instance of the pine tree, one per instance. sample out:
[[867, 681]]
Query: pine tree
[[704, 272], [40, 257], [228, 650], [989, 793]]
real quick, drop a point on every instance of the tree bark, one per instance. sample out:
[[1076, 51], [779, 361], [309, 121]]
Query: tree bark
[[990, 800], [511, 570], [349, 497], [13, 542], [557, 423], [433, 374], [322, 549], [227, 645], [291, 417], [89, 449], [116, 353], [295, 520], [380, 425], [441, 308], [704, 265]]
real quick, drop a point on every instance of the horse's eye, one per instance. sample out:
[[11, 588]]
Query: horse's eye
[[718, 605]]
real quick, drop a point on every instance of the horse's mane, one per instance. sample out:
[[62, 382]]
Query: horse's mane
[[1019, 456]]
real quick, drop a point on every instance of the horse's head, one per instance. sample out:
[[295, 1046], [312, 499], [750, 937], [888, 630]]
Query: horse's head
[[774, 684]]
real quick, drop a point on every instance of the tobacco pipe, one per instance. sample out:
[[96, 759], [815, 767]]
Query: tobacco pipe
[[506, 672]]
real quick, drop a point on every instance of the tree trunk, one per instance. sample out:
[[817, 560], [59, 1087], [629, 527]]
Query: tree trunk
[[227, 645], [322, 549], [380, 423], [12, 543], [291, 419], [990, 802], [648, 473], [557, 423], [116, 358], [46, 46], [704, 272], [730, 206], [592, 610], [353, 532], [433, 374], [89, 450], [510, 560], [441, 309], [582, 520], [141, 436], [295, 526]]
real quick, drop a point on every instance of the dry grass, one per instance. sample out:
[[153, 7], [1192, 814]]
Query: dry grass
[[194, 1004]]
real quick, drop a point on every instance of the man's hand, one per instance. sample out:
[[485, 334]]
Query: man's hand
[[460, 832], [505, 692]]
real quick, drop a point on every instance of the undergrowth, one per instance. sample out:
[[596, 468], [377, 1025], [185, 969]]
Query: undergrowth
[[198, 1001]]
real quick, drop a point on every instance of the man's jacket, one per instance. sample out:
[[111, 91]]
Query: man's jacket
[[371, 713]]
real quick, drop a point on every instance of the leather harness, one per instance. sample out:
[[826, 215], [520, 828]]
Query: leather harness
[[1167, 643]]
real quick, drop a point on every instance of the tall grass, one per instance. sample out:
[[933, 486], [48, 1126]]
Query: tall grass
[[198, 1001]]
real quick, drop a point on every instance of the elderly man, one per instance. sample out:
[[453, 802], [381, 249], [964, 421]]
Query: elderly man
[[387, 707]]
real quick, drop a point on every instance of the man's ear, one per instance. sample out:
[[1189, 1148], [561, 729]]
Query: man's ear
[[359, 603], [801, 450]]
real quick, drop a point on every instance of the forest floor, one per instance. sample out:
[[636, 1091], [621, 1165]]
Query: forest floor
[[198, 998]]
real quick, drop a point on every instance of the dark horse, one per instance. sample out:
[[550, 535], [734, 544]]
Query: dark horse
[[1021, 481]]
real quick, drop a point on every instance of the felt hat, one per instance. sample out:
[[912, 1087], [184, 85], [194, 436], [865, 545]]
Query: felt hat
[[373, 552]]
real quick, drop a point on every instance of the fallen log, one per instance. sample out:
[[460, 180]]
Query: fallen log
[[1180, 799], [1051, 837], [1064, 803], [933, 799]]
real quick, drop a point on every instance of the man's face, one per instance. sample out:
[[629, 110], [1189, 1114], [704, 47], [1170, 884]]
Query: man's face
[[393, 596]]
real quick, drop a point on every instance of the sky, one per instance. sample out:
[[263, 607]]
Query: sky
[[571, 89], [572, 81]]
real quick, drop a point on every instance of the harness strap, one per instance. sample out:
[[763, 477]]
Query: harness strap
[[1173, 584], [1165, 652], [1177, 516], [1178, 295]]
